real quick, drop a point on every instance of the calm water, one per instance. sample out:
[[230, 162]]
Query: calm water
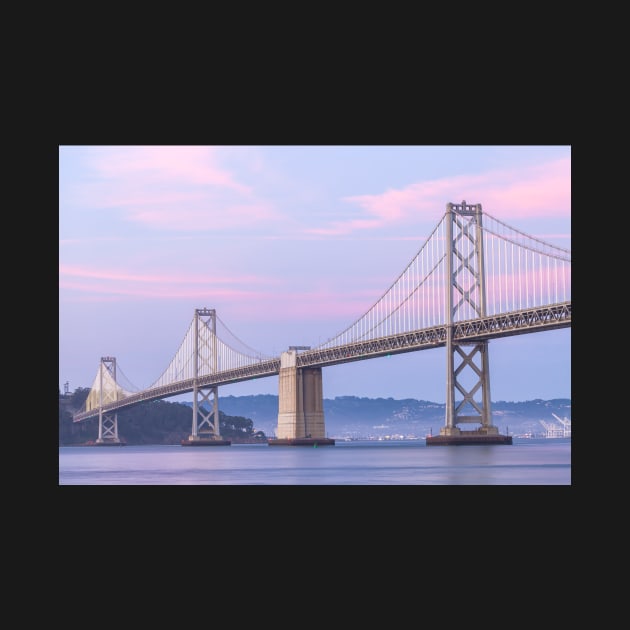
[[525, 462]]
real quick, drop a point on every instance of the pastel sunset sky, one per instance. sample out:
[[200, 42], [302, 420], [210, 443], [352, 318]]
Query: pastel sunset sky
[[290, 245]]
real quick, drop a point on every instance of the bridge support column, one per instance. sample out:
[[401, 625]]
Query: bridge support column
[[300, 404], [204, 425], [204, 432], [465, 288], [107, 429]]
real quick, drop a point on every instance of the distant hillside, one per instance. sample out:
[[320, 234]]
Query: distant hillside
[[353, 416], [245, 418], [156, 422]]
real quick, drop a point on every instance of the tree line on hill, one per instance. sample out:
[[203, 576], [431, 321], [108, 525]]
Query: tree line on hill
[[156, 422]]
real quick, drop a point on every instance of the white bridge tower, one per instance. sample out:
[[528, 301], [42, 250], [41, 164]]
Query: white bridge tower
[[108, 392]]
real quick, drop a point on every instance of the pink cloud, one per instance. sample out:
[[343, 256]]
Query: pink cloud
[[322, 305], [161, 292], [533, 192], [184, 164], [538, 192], [171, 188], [104, 274], [266, 306], [83, 284]]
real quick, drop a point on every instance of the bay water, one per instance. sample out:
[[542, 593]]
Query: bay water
[[528, 461]]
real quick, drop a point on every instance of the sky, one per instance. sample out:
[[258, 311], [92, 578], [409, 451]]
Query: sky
[[290, 245]]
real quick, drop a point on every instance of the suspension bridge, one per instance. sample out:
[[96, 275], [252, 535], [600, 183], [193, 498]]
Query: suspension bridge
[[473, 280]]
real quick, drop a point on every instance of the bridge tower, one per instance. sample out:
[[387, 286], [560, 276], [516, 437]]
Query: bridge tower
[[465, 286], [300, 404], [204, 432], [108, 392]]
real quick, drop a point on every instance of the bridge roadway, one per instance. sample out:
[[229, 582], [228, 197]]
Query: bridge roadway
[[503, 325]]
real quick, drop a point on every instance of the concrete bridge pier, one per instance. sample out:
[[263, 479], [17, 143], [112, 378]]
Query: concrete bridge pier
[[300, 405]]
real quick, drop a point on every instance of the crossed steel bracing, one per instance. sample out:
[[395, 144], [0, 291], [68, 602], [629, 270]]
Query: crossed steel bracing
[[205, 359], [465, 265]]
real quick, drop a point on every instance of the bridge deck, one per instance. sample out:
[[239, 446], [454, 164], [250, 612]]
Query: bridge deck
[[529, 320]]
